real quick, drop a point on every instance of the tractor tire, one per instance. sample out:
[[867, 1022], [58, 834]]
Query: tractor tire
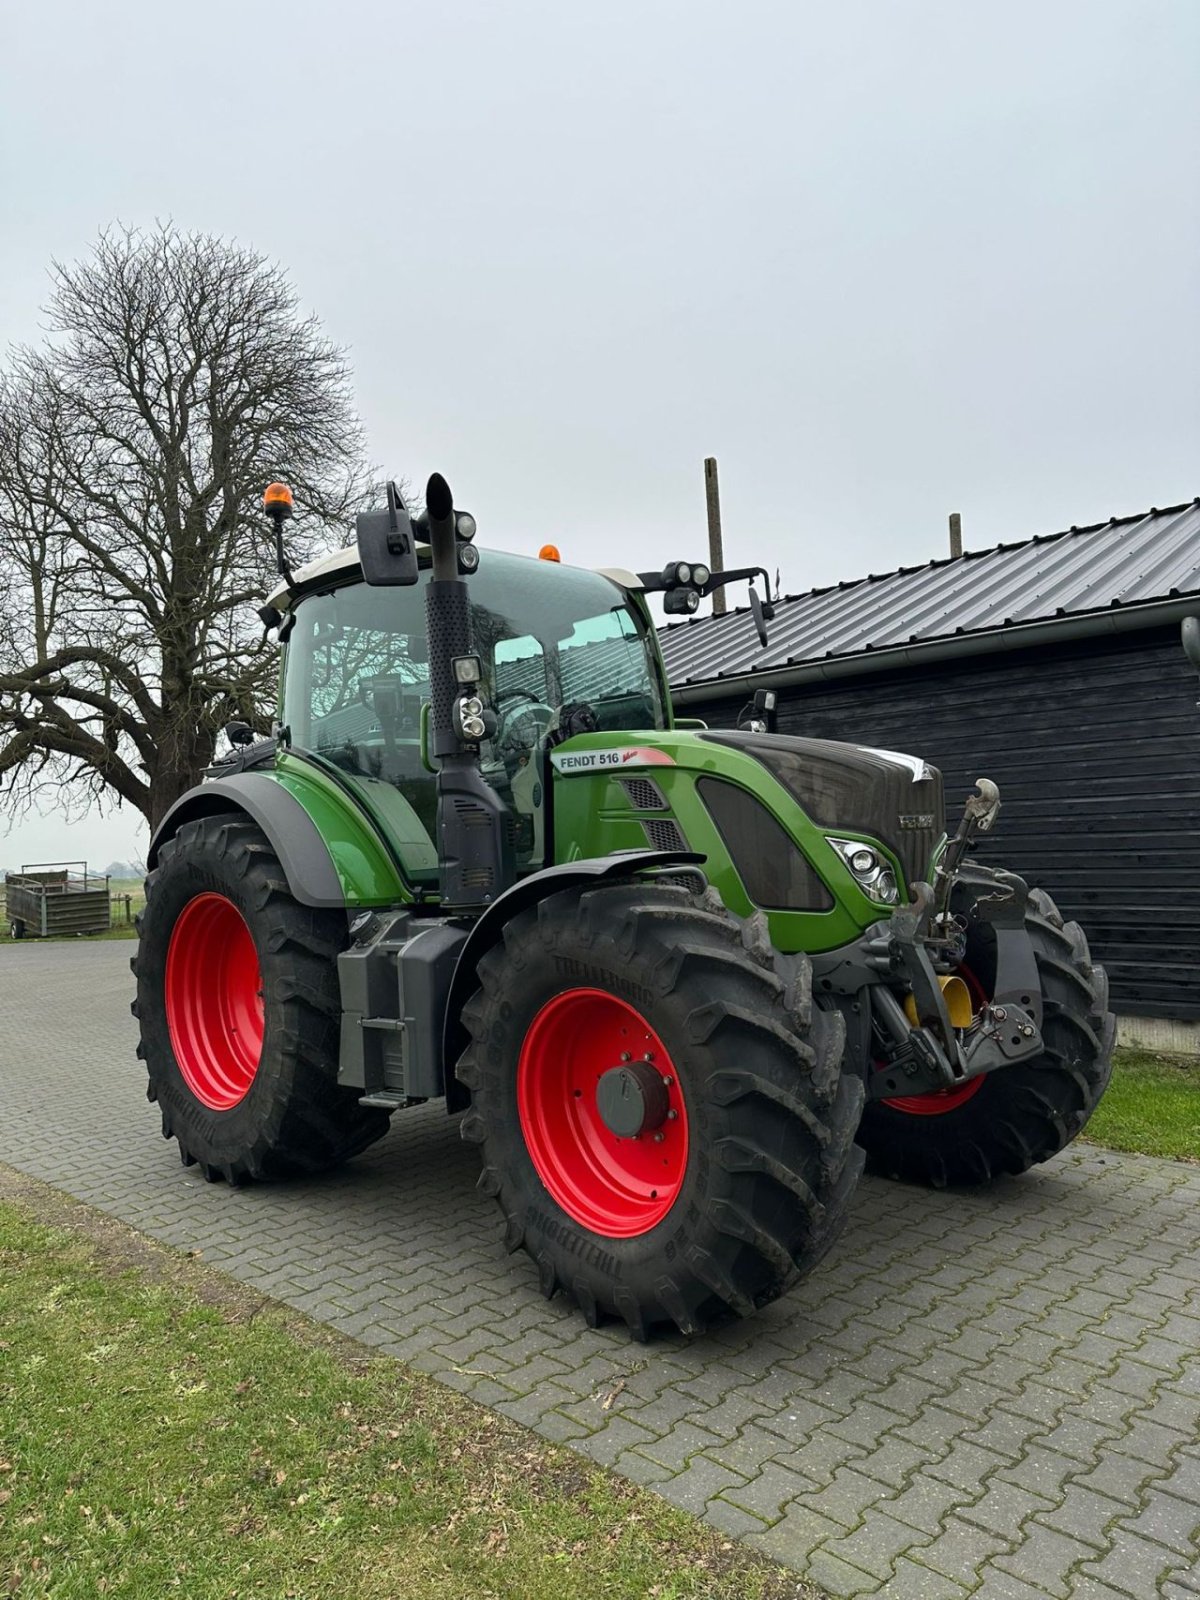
[[237, 996], [1009, 1120], [659, 1105]]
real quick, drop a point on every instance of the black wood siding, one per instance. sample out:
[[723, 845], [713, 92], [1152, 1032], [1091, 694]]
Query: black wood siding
[[1096, 749]]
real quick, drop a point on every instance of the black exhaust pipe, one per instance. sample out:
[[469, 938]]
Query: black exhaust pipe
[[474, 826]]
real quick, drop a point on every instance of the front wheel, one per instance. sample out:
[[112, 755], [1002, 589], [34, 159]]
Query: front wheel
[[1015, 1117], [238, 999], [659, 1105]]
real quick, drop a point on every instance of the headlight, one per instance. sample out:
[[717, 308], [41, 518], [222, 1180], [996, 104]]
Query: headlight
[[871, 872]]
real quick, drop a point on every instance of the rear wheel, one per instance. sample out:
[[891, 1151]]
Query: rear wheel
[[1009, 1120], [659, 1105], [237, 996]]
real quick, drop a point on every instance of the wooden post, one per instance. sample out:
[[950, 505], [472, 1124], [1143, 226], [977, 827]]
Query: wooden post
[[716, 554], [955, 536]]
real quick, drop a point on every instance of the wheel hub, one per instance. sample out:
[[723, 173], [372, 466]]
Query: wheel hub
[[602, 1113], [632, 1099]]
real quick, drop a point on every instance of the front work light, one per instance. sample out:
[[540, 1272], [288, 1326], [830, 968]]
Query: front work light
[[466, 669]]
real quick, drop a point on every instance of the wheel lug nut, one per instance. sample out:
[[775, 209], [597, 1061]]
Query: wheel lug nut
[[658, 1138], [672, 1115], [625, 1056], [668, 1083], [649, 1056]]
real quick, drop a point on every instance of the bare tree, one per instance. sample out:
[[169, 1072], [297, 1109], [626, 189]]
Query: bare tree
[[178, 378]]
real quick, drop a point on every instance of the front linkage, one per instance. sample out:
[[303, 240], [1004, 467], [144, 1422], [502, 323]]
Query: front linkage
[[916, 951]]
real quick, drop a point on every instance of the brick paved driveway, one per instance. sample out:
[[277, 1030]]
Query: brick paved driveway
[[993, 1394]]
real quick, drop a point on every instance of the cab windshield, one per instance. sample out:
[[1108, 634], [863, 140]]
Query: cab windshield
[[551, 640]]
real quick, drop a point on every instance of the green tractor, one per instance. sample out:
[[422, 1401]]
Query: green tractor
[[679, 982]]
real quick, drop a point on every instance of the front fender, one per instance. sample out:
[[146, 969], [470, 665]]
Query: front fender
[[486, 932], [295, 838]]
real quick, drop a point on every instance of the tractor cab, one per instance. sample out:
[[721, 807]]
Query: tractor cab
[[560, 650]]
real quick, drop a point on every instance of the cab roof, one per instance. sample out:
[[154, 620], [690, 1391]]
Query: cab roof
[[345, 562]]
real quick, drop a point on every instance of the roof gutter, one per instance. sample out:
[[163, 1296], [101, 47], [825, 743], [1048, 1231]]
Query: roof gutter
[[1056, 630]]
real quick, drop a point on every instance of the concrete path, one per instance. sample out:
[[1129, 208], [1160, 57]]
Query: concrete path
[[992, 1393]]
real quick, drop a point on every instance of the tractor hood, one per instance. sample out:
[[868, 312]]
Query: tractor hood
[[895, 798]]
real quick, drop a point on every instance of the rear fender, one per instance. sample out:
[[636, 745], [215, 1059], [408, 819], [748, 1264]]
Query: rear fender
[[295, 838], [490, 927]]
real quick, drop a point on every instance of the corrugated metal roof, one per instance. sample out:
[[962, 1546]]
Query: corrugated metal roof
[[1125, 562]]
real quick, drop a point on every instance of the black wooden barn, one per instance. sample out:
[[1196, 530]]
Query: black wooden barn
[[1052, 666]]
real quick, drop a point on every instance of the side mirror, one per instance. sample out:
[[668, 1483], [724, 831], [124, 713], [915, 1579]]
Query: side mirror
[[239, 733], [760, 616], [1190, 632], [387, 546]]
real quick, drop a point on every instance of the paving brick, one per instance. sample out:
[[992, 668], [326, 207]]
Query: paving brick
[[1084, 1514], [966, 1466], [771, 1492], [911, 1582], [1133, 1566], [893, 1461], [1046, 1559], [821, 1456], [848, 1496], [877, 1544], [799, 1528], [703, 1480], [926, 1503], [838, 1577], [961, 1551], [1004, 1509], [677, 1447], [730, 1519], [1170, 1521], [632, 1464]]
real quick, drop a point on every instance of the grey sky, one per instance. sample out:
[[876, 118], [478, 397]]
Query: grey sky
[[885, 261]]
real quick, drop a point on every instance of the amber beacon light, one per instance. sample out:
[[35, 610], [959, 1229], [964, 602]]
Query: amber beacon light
[[549, 552], [277, 500]]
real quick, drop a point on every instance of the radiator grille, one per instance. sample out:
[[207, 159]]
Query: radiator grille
[[644, 794], [665, 835]]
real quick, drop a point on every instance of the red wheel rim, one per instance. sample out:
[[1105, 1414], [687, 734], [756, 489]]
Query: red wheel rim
[[939, 1101], [214, 1001], [617, 1187]]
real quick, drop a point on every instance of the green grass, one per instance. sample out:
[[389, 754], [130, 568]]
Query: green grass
[[1152, 1105], [166, 1431]]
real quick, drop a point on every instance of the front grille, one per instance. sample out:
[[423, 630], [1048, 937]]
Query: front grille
[[843, 787], [665, 835], [774, 871]]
